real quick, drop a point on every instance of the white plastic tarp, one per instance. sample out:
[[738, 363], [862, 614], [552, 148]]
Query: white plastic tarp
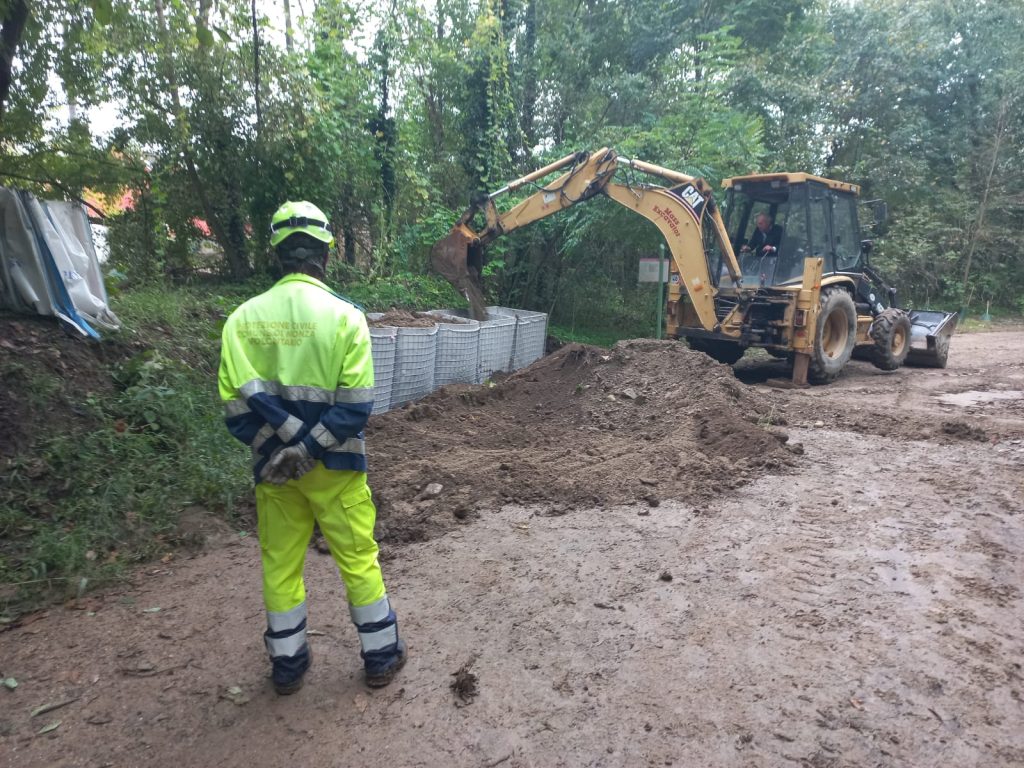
[[48, 262]]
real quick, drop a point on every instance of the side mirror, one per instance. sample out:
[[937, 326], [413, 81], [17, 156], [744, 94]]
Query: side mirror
[[880, 209], [866, 246]]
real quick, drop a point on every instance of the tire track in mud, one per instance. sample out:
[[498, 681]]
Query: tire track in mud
[[846, 573], [860, 610]]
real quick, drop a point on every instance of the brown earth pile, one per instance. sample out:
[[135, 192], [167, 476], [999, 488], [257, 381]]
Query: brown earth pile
[[46, 376], [584, 426], [401, 319]]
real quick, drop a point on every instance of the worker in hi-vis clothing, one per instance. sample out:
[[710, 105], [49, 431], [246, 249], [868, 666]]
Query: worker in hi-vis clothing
[[296, 377]]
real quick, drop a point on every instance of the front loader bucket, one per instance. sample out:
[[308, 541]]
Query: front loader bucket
[[930, 332], [459, 259]]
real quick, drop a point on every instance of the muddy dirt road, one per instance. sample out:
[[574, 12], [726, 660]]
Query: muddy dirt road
[[857, 604]]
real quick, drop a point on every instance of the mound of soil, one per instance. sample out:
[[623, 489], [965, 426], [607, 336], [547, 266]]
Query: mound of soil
[[402, 319], [584, 426], [45, 376]]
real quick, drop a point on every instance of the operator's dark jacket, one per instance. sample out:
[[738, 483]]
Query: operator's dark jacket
[[760, 239]]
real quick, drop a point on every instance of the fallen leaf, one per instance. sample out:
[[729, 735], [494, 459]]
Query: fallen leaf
[[50, 707], [10, 683], [142, 669], [360, 702], [51, 727], [236, 696], [155, 609]]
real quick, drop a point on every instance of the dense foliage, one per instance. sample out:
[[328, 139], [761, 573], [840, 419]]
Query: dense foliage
[[388, 114]]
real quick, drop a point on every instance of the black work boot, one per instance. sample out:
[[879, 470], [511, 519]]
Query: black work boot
[[380, 674], [289, 672]]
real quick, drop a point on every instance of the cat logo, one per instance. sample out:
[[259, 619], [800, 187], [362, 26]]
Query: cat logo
[[693, 199]]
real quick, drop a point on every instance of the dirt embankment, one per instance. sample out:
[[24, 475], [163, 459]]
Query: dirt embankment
[[644, 421], [45, 377]]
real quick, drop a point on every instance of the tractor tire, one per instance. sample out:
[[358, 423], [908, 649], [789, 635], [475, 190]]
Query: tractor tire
[[834, 336], [936, 359], [727, 352], [891, 333]]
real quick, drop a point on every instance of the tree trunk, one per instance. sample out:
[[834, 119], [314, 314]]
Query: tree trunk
[[288, 41], [256, 71], [10, 36], [1000, 135], [530, 83], [203, 22], [349, 245], [384, 127]]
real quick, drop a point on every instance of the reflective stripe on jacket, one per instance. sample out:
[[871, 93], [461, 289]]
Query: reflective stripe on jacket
[[296, 367]]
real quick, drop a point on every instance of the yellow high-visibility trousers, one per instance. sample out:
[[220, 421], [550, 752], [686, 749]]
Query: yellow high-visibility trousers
[[340, 501]]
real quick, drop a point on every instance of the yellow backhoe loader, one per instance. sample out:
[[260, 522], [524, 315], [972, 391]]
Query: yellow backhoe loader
[[811, 295]]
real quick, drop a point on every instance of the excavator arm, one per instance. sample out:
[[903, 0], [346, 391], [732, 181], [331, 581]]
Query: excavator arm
[[680, 212]]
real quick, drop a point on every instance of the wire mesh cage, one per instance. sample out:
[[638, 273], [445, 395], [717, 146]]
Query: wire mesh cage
[[458, 350], [385, 343], [415, 355]]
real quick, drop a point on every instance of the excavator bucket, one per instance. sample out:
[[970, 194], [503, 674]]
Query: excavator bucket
[[459, 259], [930, 332]]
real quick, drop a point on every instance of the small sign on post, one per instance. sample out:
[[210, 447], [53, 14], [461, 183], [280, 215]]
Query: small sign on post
[[655, 271], [649, 270]]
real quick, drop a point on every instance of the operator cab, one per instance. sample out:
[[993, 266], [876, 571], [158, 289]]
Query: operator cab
[[812, 216]]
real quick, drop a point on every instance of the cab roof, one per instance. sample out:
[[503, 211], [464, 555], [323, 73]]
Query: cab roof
[[792, 178]]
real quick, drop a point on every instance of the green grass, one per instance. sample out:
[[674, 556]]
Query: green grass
[[403, 291], [39, 386], [77, 507], [999, 321], [596, 336]]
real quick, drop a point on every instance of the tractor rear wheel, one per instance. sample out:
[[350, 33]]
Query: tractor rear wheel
[[891, 333], [727, 352], [834, 336]]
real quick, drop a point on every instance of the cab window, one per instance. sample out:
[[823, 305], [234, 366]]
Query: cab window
[[844, 231], [818, 211], [743, 205], [795, 244]]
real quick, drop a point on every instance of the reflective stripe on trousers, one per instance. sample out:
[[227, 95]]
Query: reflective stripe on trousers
[[377, 625], [286, 631]]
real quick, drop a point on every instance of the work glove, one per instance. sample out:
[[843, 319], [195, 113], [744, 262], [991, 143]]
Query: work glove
[[768, 250], [289, 464]]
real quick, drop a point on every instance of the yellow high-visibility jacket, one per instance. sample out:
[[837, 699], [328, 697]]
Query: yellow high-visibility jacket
[[296, 366]]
